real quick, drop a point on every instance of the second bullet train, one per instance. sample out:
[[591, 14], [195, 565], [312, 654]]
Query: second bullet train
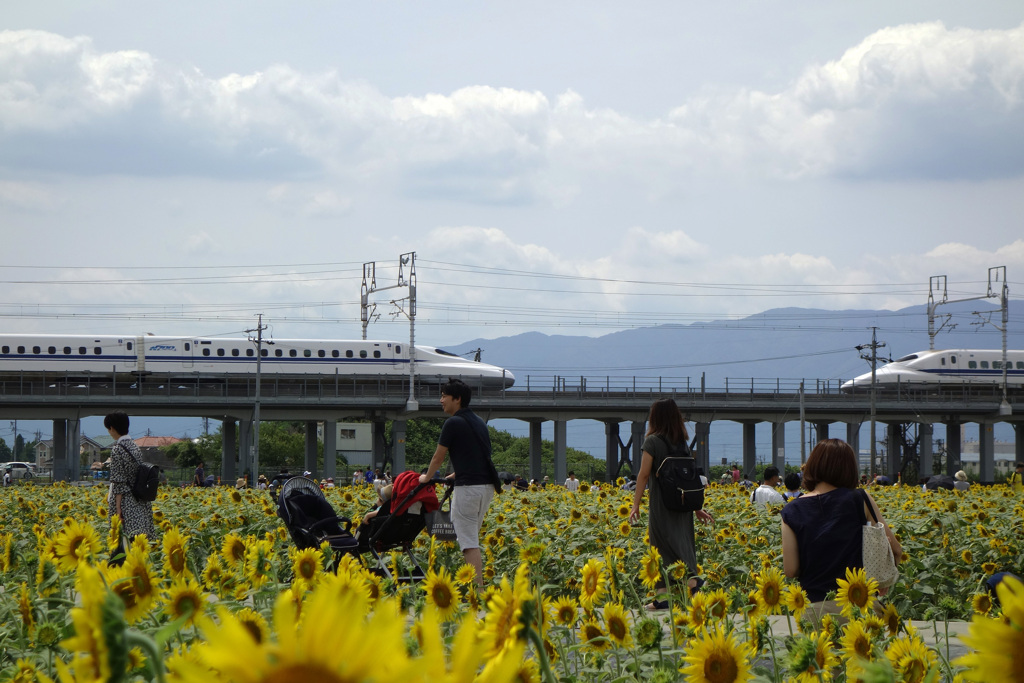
[[145, 354], [949, 367]]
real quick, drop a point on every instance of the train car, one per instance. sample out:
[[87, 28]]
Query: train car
[[148, 354], [949, 367]]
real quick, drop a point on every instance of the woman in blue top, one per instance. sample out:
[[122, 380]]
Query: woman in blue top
[[822, 530]]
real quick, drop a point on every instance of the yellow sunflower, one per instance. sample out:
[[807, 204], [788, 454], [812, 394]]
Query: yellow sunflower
[[175, 547], [617, 623], [857, 591], [76, 542], [718, 603], [796, 601], [769, 590], [981, 603], [650, 568], [566, 611], [307, 567], [442, 593], [592, 637], [911, 658], [183, 598], [855, 641], [717, 657], [233, 550], [998, 644], [465, 575], [593, 583]]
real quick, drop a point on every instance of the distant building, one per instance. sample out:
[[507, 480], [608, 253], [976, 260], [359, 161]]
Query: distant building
[[353, 441]]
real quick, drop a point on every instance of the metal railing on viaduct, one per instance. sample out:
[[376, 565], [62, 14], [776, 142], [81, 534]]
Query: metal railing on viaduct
[[610, 400]]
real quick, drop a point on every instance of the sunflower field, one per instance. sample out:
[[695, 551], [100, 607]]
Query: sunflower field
[[225, 596]]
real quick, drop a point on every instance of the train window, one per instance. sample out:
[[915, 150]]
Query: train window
[[21, 349], [51, 350], [376, 354], [321, 353], [206, 352], [278, 352], [82, 350], [984, 364], [293, 353], [67, 350], [250, 353], [307, 353], [362, 354], [234, 352], [349, 354], [335, 353], [972, 364], [220, 352], [36, 349], [5, 349], [97, 350]]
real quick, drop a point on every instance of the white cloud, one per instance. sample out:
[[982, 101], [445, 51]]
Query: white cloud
[[911, 101]]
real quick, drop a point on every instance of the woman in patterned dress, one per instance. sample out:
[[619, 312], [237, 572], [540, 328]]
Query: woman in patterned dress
[[136, 515]]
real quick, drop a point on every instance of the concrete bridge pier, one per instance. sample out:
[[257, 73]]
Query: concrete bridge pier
[[925, 455], [229, 451], [67, 456], [310, 449], [611, 449], [636, 440], [986, 453], [379, 449], [560, 457], [398, 432], [246, 435], [953, 437], [1018, 442], [749, 449], [779, 445], [536, 448], [853, 438], [820, 432], [702, 445]]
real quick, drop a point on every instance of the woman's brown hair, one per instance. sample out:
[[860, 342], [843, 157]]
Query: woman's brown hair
[[666, 420], [833, 462]]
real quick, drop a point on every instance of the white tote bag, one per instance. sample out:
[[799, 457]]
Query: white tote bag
[[879, 563]]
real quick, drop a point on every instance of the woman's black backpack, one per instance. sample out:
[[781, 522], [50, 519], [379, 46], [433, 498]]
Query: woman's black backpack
[[681, 487]]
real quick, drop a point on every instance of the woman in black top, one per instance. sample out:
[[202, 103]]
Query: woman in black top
[[670, 532], [822, 530]]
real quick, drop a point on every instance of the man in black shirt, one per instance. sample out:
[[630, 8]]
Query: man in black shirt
[[464, 438]]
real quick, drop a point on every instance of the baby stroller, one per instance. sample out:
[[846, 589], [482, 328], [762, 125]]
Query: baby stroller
[[411, 502], [311, 520]]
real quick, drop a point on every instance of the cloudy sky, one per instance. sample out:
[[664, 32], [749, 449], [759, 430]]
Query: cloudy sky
[[570, 167]]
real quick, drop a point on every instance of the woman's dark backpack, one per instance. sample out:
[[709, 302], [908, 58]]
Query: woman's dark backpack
[[681, 487]]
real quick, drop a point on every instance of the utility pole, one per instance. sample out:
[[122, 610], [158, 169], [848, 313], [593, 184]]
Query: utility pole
[[258, 341], [873, 359], [367, 312]]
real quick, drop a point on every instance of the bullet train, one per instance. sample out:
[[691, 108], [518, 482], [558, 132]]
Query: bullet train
[[141, 355], [950, 367]]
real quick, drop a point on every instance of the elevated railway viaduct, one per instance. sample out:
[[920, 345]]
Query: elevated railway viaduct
[[611, 401]]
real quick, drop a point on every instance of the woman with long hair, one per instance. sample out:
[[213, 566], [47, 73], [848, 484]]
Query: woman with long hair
[[822, 530], [670, 532]]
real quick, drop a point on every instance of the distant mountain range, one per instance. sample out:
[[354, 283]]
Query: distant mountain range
[[787, 343]]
